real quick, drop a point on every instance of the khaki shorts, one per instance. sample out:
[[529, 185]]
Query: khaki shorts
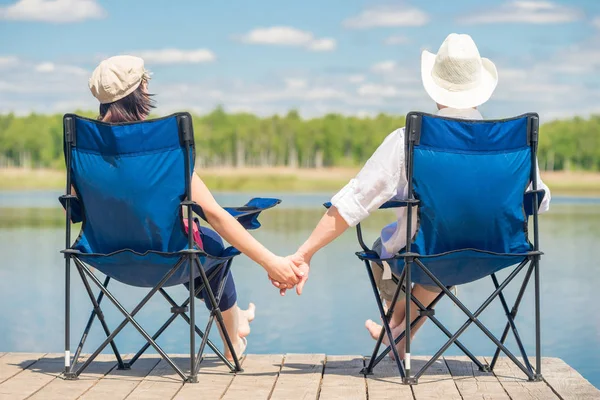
[[387, 287]]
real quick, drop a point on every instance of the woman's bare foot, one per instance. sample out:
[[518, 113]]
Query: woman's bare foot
[[245, 317], [375, 330], [240, 346]]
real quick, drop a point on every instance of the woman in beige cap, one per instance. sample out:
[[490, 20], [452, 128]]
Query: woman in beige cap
[[121, 85]]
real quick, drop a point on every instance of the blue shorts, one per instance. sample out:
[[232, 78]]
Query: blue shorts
[[213, 245]]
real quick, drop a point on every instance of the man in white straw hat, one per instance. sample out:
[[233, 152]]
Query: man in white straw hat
[[459, 80]]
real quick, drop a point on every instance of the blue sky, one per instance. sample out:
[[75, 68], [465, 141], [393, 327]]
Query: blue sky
[[356, 57]]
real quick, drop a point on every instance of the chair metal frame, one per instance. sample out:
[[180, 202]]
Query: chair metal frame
[[73, 368], [531, 261]]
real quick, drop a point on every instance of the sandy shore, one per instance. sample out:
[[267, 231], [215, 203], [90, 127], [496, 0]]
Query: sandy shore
[[283, 179]]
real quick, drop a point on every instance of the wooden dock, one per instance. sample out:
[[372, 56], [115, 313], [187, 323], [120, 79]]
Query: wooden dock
[[293, 376]]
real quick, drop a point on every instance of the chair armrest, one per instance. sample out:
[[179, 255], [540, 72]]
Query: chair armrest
[[387, 204], [76, 211], [528, 200], [247, 215]]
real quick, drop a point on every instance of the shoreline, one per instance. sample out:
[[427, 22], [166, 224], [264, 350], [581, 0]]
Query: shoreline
[[248, 179]]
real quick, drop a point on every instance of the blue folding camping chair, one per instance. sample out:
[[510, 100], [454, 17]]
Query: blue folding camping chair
[[132, 183], [468, 181]]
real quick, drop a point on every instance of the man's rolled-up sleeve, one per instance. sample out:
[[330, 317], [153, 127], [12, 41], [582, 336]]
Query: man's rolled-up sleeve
[[376, 183]]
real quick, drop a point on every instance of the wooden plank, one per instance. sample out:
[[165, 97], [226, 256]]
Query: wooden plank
[[32, 379], [119, 383], [342, 378], [516, 384], [566, 381], [13, 363], [300, 377], [61, 389], [162, 382], [386, 384], [435, 383], [473, 383], [213, 380], [257, 380]]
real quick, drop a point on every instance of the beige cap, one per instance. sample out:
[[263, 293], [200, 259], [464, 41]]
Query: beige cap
[[117, 77]]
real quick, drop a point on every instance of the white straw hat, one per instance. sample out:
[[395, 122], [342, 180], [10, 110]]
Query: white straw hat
[[117, 77], [457, 76]]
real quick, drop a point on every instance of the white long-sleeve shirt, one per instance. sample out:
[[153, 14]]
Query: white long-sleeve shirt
[[383, 178]]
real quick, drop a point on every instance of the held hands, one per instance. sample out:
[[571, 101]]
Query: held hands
[[285, 272], [302, 264]]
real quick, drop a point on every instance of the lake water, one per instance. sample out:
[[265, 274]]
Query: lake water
[[329, 317]]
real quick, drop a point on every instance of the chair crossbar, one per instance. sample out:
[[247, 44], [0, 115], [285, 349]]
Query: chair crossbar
[[512, 314], [376, 359], [473, 318], [386, 325], [97, 311], [453, 338], [186, 318], [86, 273], [216, 312], [512, 324], [129, 317]]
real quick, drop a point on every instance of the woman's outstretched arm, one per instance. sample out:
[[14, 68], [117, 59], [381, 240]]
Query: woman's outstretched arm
[[279, 268]]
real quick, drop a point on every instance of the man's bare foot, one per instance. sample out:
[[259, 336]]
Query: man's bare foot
[[375, 330], [246, 316], [240, 346]]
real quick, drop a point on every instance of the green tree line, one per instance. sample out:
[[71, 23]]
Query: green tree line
[[246, 140]]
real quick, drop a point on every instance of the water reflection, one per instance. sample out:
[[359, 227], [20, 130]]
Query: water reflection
[[329, 317]]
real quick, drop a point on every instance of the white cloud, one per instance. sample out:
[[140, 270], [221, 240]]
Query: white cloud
[[521, 11], [356, 78], [564, 81], [58, 11], [326, 44], [396, 39], [47, 67], [596, 22], [384, 67], [294, 83], [387, 17], [288, 36], [323, 93], [374, 90], [176, 56], [8, 61], [577, 60]]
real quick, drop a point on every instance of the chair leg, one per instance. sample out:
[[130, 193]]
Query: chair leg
[[68, 370], [97, 311], [385, 322], [538, 340], [408, 379], [129, 317], [193, 377]]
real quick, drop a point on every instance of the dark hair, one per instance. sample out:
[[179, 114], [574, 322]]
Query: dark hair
[[131, 108]]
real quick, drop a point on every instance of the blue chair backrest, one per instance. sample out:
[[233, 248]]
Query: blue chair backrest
[[130, 179], [470, 178]]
